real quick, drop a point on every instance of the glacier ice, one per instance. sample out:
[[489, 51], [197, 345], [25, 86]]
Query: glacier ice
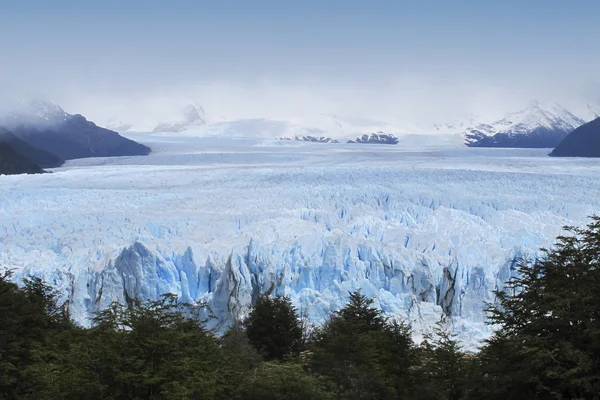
[[426, 230]]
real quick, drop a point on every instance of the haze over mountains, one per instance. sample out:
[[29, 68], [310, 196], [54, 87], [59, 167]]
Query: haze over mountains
[[44, 135], [539, 125]]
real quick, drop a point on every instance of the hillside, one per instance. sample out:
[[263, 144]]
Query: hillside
[[12, 162], [46, 126], [582, 142], [37, 156], [537, 126]]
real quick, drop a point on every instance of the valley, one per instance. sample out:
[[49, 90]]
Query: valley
[[427, 227]]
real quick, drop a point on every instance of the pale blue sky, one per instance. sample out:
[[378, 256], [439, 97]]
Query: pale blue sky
[[129, 46]]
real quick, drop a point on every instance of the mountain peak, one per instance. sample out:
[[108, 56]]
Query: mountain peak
[[189, 116], [538, 125], [535, 104], [34, 105], [192, 113]]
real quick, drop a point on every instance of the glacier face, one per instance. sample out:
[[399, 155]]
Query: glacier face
[[424, 227]]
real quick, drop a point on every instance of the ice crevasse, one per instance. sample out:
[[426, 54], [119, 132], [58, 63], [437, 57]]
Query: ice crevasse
[[423, 243]]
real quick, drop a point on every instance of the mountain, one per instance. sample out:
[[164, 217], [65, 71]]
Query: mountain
[[309, 138], [376, 138], [539, 125], [11, 161], [582, 142], [455, 126], [118, 125], [47, 127], [320, 128], [189, 117], [37, 156]]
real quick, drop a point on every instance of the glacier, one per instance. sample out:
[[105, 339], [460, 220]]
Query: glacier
[[428, 228]]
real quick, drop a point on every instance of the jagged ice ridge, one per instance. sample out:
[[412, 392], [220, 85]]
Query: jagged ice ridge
[[426, 231]]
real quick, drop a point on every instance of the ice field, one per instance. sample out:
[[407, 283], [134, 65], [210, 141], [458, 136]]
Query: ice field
[[427, 227]]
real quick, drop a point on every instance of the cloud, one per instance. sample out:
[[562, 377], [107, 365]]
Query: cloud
[[407, 99], [414, 99]]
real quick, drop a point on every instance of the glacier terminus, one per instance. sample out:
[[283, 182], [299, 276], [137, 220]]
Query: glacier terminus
[[428, 228]]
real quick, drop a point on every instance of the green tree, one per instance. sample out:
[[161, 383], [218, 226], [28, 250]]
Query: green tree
[[443, 366], [239, 357], [363, 355], [154, 350], [274, 328], [273, 380], [548, 342], [34, 333]]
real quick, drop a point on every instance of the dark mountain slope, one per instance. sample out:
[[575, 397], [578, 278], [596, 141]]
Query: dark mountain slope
[[39, 157], [537, 138], [48, 127], [582, 142], [12, 162], [76, 137]]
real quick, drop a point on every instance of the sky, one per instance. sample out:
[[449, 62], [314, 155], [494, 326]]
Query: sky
[[422, 60]]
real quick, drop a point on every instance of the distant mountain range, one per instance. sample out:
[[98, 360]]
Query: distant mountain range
[[46, 135], [190, 116], [376, 138], [192, 119], [582, 142], [312, 139], [539, 125]]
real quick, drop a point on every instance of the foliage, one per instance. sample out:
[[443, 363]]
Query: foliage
[[548, 342], [443, 366], [364, 355], [157, 350], [274, 328], [239, 357], [547, 345], [32, 329], [281, 381]]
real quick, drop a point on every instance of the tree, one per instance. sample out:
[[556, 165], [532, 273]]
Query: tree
[[274, 328], [548, 341], [154, 350], [443, 366], [34, 332], [364, 355], [239, 358], [280, 381]]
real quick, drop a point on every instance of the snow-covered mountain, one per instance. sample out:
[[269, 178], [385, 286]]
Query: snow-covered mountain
[[192, 120], [312, 139], [35, 110], [324, 125], [376, 138], [455, 126], [173, 118], [188, 118], [539, 125], [118, 125], [45, 126]]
